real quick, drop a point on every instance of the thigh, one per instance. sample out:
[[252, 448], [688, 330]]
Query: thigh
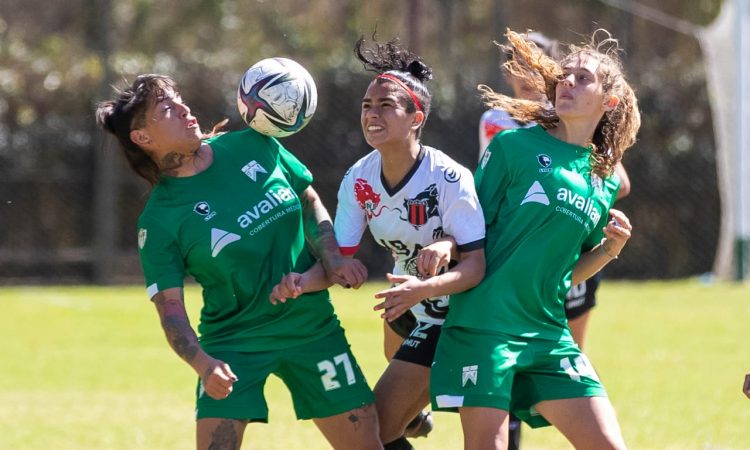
[[219, 434], [391, 341], [401, 393], [356, 429], [324, 378], [587, 422], [484, 428]]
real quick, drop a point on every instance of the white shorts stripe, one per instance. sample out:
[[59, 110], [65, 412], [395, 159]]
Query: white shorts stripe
[[449, 401]]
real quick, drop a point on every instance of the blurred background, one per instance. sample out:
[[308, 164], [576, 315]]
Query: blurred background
[[69, 203]]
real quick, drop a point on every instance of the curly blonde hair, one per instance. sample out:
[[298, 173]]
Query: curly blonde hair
[[617, 129]]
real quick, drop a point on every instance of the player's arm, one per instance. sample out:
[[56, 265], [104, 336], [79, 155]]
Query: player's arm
[[319, 233], [216, 375], [617, 232], [411, 290], [294, 284]]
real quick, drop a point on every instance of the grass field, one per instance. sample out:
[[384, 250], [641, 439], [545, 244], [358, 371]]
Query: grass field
[[89, 368]]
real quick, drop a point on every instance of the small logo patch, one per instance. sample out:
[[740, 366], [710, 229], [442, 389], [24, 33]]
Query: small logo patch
[[252, 169], [451, 175], [469, 374], [544, 160], [204, 209], [142, 237]]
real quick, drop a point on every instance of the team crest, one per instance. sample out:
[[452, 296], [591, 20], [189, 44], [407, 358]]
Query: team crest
[[420, 208], [367, 198], [204, 209], [142, 238], [252, 169], [545, 161]]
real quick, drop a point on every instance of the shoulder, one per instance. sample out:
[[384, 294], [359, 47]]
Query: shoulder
[[366, 164], [442, 165]]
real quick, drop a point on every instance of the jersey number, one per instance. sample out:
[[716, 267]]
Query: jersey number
[[581, 367], [328, 369]]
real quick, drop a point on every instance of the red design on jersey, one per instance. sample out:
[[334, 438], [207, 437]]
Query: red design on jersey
[[491, 129], [367, 198]]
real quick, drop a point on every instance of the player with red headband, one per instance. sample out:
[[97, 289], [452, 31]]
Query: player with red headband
[[420, 205]]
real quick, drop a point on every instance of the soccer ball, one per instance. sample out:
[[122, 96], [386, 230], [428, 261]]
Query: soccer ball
[[277, 97]]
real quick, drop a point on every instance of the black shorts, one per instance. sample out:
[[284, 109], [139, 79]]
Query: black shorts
[[420, 339], [581, 297]]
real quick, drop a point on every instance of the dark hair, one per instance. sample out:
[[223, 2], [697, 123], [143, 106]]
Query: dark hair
[[390, 58], [127, 112]]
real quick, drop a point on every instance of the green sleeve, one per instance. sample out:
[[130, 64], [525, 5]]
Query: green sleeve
[[161, 259], [491, 180]]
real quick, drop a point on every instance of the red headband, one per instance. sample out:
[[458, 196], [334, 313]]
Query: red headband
[[411, 93]]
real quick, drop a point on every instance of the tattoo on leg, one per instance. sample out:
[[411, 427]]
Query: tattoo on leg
[[354, 419], [224, 436]]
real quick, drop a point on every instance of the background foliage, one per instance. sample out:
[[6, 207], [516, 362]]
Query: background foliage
[[69, 204]]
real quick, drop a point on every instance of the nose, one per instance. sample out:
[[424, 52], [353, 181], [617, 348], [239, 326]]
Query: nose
[[569, 80], [185, 109]]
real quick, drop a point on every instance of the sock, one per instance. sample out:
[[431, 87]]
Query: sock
[[399, 444], [514, 433]]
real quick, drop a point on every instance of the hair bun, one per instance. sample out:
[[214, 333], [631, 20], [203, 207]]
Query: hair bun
[[419, 70]]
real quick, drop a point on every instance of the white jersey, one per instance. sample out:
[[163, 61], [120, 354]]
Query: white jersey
[[436, 198], [494, 121]]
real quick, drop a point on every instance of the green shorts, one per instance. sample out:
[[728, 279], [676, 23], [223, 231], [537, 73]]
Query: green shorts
[[322, 376], [494, 370]]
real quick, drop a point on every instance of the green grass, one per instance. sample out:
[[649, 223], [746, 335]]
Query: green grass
[[88, 368]]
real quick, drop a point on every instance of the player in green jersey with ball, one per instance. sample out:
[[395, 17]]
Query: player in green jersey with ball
[[233, 211]]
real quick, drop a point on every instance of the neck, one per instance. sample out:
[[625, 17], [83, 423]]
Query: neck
[[185, 164], [396, 163], [574, 132]]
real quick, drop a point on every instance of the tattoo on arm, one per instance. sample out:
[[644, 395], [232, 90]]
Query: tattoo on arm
[[317, 223], [176, 325]]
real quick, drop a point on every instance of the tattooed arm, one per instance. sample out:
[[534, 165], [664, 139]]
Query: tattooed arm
[[347, 272], [217, 376]]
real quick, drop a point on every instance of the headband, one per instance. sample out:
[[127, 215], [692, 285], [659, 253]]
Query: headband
[[408, 90]]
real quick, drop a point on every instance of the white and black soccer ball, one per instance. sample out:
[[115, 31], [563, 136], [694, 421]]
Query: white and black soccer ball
[[277, 97]]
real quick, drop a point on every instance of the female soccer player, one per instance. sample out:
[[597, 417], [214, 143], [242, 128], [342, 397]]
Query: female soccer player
[[546, 192], [232, 210], [412, 198], [581, 298]]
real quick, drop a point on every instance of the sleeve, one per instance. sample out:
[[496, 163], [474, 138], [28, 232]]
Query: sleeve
[[492, 179], [350, 221], [297, 174], [161, 259], [461, 212]]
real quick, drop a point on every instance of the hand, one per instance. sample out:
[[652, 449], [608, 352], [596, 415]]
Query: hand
[[746, 386], [617, 233], [218, 380], [346, 272], [400, 298], [290, 286], [434, 257]]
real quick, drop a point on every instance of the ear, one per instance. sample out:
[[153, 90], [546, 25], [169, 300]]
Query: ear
[[418, 119], [611, 102], [139, 137]]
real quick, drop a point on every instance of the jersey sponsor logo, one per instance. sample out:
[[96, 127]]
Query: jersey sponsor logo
[[469, 374], [204, 209], [367, 198], [420, 208], [451, 175], [142, 233], [273, 199], [536, 194], [252, 169], [220, 239], [579, 202]]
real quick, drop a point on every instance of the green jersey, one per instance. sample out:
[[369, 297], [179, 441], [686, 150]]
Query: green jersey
[[237, 229], [541, 205]]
